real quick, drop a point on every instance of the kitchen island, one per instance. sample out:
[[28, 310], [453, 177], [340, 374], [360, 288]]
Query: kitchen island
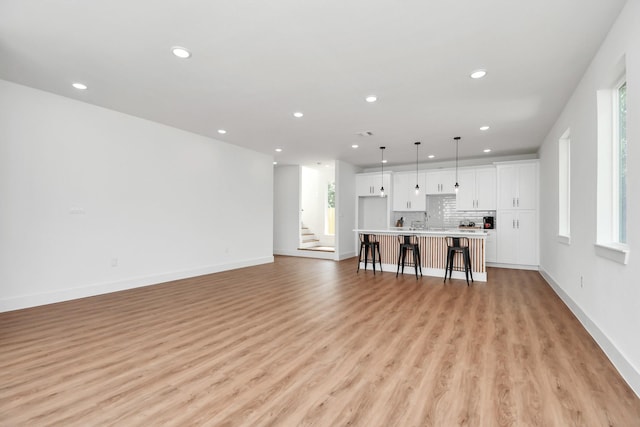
[[433, 250]]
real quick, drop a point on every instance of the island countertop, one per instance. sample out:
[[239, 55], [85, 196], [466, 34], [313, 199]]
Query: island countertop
[[435, 231]]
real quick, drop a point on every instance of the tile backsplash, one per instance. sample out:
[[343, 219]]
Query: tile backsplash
[[441, 212]]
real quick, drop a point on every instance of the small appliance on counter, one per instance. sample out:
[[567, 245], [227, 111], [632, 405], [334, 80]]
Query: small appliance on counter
[[488, 222]]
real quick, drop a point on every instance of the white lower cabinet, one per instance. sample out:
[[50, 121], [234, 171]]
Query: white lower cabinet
[[517, 237], [491, 247]]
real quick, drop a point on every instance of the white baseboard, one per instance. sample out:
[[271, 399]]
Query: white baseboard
[[33, 300], [626, 370], [306, 254], [514, 266], [347, 255]]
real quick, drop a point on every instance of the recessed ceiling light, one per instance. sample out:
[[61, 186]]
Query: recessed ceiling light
[[485, 128], [80, 86], [181, 52], [298, 114], [278, 150], [478, 74], [384, 161], [487, 150], [222, 131], [371, 98], [431, 156], [275, 163], [355, 146]]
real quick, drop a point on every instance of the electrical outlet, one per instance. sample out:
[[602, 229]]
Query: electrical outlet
[[114, 262], [226, 250]]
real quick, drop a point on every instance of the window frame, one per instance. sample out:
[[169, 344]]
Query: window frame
[[564, 187], [608, 243]]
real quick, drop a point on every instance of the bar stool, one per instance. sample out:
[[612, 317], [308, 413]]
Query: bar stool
[[369, 242], [458, 245], [409, 243]]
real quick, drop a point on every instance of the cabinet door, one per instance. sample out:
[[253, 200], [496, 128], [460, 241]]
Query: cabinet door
[[507, 238], [507, 186], [485, 190], [491, 247], [466, 197], [526, 224], [432, 184], [418, 202], [527, 197], [400, 192], [441, 182], [364, 185], [448, 181]]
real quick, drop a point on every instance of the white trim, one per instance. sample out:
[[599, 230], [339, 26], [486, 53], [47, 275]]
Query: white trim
[[26, 301], [513, 266], [614, 251], [564, 239], [619, 361], [306, 254], [347, 255]]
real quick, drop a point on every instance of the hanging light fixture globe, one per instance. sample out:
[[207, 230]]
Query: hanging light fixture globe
[[417, 180], [382, 172], [457, 186]]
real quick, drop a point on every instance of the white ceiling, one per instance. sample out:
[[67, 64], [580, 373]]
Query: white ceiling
[[256, 62]]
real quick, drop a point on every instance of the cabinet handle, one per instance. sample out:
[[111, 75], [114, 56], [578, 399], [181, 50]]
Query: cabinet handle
[[518, 202], [518, 222], [513, 225], [513, 202]]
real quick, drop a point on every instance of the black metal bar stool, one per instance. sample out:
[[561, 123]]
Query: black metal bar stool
[[369, 242], [409, 243], [458, 245]]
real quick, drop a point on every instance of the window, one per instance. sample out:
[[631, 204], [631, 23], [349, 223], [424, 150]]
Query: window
[[330, 217], [564, 187], [612, 169], [620, 142]]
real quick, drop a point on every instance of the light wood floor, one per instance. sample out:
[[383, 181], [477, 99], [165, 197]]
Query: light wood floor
[[309, 342]]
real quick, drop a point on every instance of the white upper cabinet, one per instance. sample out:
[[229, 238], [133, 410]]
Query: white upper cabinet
[[441, 182], [404, 192], [477, 190], [518, 186], [368, 184]]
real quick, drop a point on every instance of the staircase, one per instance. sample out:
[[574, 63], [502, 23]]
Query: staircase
[[308, 239]]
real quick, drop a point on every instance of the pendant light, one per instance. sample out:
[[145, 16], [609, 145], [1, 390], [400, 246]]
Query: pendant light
[[455, 187], [382, 172], [417, 186]]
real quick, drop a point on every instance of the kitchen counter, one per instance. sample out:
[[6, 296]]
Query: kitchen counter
[[433, 250], [436, 231]]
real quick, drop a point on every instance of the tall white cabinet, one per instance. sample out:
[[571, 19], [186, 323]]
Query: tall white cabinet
[[517, 215]]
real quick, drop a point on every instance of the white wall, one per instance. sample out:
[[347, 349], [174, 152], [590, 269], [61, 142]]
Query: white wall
[[83, 188], [345, 210], [608, 302]]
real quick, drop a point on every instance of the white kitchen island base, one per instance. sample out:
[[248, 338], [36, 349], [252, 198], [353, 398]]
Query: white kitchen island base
[[433, 252]]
